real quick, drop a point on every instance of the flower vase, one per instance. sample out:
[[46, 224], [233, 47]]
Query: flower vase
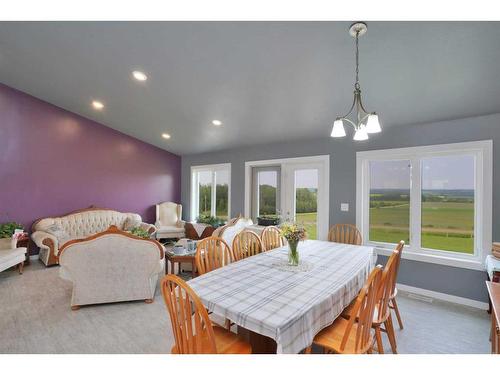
[[293, 253]]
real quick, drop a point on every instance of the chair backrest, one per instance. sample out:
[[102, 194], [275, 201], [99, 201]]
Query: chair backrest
[[363, 313], [245, 244], [345, 233], [191, 325], [387, 281], [400, 246], [212, 253], [271, 238], [168, 213]]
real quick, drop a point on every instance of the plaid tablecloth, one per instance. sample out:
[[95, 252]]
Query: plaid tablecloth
[[289, 307]]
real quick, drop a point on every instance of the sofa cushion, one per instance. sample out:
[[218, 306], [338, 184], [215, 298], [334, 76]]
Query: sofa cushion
[[6, 255], [169, 229]]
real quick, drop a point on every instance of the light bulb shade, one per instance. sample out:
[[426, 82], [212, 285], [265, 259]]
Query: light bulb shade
[[361, 134], [338, 129], [372, 125]]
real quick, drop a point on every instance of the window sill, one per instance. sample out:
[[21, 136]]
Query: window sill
[[471, 264]]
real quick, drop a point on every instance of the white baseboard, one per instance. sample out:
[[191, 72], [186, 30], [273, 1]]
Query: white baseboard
[[444, 297]]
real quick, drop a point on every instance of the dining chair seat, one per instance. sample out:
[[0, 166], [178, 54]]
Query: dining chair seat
[[331, 337], [226, 342], [346, 314]]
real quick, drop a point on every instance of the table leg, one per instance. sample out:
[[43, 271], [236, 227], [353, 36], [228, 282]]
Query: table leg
[[260, 344], [193, 269]]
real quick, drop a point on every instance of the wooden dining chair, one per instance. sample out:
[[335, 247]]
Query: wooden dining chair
[[271, 238], [353, 335], [212, 253], [393, 305], [194, 333], [245, 244], [345, 233], [382, 314]]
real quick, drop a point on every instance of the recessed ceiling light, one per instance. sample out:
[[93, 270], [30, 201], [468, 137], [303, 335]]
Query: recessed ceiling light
[[140, 76], [166, 135], [217, 122], [97, 105]]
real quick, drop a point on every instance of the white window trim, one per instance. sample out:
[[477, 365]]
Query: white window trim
[[322, 161], [483, 151], [195, 187]]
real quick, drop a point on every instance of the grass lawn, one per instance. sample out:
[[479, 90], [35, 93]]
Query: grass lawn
[[308, 220], [445, 225]]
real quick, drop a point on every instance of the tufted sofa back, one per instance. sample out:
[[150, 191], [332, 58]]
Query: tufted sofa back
[[87, 222]]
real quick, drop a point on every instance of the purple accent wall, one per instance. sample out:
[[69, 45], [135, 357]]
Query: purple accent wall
[[53, 161]]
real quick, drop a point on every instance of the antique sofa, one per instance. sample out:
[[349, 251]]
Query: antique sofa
[[50, 234], [11, 255], [169, 222], [112, 266]]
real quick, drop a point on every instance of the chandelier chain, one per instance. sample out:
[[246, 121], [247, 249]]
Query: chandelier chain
[[356, 85]]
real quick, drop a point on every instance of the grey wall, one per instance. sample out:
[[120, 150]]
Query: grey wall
[[444, 279]]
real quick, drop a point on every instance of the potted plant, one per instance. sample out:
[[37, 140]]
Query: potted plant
[[8, 230], [267, 220], [293, 234], [139, 232], [210, 220]]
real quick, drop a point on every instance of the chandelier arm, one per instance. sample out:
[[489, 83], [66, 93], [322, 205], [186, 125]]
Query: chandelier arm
[[352, 107], [364, 117], [350, 122], [361, 104]]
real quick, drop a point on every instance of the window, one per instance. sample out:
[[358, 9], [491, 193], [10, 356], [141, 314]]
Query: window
[[389, 214], [266, 191], [435, 198], [210, 191]]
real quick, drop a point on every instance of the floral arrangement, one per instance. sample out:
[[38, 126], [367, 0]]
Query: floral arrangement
[[293, 232]]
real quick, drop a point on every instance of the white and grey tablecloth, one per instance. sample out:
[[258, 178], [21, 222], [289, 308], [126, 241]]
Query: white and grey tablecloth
[[289, 307]]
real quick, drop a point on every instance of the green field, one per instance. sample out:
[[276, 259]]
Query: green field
[[446, 225], [309, 221]]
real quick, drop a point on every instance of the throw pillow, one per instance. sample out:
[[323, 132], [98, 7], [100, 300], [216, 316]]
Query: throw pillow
[[131, 223]]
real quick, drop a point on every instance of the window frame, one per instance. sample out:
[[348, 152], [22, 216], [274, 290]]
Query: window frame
[[482, 152], [213, 169], [256, 191]]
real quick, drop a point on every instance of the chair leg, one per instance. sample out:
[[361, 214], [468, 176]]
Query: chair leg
[[389, 328], [149, 300], [21, 268], [396, 310], [378, 336], [227, 324]]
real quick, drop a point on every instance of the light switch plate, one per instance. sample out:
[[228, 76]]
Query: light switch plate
[[344, 207]]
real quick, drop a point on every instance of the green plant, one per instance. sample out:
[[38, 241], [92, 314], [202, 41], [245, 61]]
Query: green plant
[[210, 220], [139, 232], [7, 229]]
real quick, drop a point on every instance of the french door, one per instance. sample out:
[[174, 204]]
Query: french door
[[305, 198], [297, 189]]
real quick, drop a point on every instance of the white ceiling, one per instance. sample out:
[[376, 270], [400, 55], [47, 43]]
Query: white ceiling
[[266, 81]]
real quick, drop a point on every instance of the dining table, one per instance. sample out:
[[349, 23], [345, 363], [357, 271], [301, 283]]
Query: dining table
[[280, 308]]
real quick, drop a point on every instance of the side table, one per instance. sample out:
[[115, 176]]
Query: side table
[[172, 259], [24, 241]]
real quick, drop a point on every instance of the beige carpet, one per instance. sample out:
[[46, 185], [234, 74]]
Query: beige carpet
[[35, 317]]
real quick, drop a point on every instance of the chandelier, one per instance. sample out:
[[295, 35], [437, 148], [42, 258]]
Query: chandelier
[[363, 122]]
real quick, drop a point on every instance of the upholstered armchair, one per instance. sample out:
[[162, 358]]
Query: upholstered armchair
[[10, 255], [112, 266], [169, 222]]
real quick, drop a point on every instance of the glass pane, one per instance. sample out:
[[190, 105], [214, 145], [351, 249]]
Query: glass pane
[[306, 200], [205, 192], [390, 201], [268, 190], [448, 203], [221, 194]]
